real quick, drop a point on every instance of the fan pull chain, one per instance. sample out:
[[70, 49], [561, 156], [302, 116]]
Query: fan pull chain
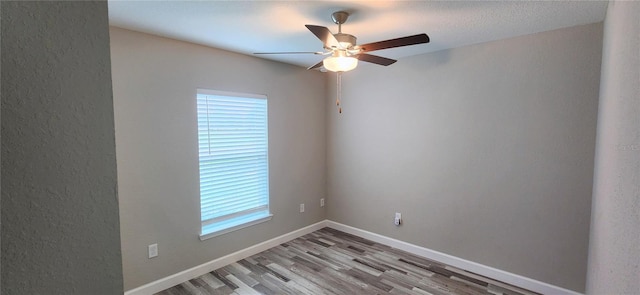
[[339, 89]]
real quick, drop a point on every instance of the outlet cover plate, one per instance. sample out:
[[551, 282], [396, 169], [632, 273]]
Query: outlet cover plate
[[153, 250], [398, 219]]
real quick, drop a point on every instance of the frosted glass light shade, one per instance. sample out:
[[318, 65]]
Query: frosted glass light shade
[[340, 63]]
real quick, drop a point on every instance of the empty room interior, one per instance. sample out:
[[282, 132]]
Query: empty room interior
[[473, 141]]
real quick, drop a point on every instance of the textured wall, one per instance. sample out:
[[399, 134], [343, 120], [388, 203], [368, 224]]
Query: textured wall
[[487, 150], [614, 252], [155, 81], [60, 227]]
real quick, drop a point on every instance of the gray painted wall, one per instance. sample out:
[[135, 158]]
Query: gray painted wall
[[154, 82], [614, 252], [1, 91], [60, 226], [486, 150]]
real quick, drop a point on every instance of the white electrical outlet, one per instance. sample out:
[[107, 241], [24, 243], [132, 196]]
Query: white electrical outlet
[[153, 250], [301, 207], [398, 219], [322, 202]]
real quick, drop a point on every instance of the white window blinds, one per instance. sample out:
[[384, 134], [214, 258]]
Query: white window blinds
[[234, 172]]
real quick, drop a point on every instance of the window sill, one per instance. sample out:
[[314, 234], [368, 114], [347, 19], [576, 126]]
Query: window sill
[[228, 229]]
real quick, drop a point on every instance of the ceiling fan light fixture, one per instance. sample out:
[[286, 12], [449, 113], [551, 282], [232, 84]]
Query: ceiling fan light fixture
[[340, 63]]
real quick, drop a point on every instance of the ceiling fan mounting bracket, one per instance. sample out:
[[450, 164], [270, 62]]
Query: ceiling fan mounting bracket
[[339, 17]]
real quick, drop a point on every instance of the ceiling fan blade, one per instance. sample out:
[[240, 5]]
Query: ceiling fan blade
[[315, 66], [324, 35], [292, 52], [383, 61], [398, 42]]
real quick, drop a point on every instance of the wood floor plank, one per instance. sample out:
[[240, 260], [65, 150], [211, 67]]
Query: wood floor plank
[[240, 275], [322, 257], [243, 289], [277, 257], [298, 280], [399, 287], [212, 281], [276, 284], [404, 267], [401, 278], [332, 262], [368, 279], [317, 277], [222, 277]]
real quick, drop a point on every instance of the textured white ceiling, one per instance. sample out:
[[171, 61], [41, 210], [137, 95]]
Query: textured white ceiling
[[267, 26]]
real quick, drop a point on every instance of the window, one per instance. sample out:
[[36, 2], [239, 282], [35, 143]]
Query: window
[[234, 171]]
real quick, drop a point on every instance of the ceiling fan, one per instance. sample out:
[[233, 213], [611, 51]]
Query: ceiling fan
[[343, 52]]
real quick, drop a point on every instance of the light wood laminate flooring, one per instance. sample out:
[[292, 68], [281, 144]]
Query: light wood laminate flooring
[[328, 261]]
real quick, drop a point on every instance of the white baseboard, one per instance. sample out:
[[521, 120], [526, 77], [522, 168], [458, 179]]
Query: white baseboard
[[487, 271], [172, 280]]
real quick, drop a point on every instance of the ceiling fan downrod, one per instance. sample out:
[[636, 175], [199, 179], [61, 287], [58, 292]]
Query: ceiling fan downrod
[[339, 18]]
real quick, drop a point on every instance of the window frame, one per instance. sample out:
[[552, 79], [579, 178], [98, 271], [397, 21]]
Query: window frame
[[242, 220]]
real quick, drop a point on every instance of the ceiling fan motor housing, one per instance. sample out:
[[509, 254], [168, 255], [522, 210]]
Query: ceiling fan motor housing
[[346, 40]]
